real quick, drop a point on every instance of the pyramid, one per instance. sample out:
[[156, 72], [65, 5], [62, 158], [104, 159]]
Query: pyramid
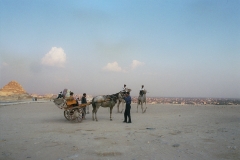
[[13, 87]]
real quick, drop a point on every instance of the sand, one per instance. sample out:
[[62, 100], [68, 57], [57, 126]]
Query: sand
[[165, 132]]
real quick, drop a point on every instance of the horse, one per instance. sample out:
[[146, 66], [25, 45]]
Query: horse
[[119, 101], [104, 101], [141, 100]]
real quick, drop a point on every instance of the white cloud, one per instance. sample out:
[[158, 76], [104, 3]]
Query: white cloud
[[136, 63], [55, 57], [4, 64], [113, 67]]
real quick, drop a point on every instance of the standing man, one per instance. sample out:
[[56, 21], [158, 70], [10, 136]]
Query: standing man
[[128, 100], [141, 90], [84, 101]]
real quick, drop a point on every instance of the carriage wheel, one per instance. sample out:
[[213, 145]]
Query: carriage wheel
[[67, 115], [74, 114], [78, 114]]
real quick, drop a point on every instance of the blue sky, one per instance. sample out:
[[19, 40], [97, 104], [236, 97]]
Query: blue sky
[[187, 48]]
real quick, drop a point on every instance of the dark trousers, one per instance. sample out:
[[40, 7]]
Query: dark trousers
[[84, 110], [127, 113]]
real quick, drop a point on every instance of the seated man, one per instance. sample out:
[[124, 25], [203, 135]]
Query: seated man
[[71, 101], [60, 95], [124, 89], [142, 91]]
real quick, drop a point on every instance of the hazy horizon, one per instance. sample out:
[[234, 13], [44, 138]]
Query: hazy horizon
[[175, 48]]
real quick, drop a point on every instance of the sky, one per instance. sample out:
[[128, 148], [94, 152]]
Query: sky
[[187, 48]]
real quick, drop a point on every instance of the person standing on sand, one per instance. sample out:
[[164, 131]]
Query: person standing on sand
[[128, 100], [84, 101]]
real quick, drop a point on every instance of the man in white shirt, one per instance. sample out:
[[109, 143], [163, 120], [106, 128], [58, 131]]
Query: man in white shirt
[[124, 88], [141, 90]]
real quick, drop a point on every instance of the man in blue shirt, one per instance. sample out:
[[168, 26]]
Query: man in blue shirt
[[84, 101], [128, 100]]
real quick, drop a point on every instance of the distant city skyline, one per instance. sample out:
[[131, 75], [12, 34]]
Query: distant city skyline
[[175, 48]]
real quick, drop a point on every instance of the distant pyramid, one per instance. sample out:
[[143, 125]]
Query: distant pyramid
[[13, 87]]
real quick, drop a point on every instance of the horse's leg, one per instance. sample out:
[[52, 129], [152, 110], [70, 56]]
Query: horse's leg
[[96, 116], [118, 106], [137, 105], [122, 107], [145, 108], [96, 112], [111, 113], [87, 109], [93, 111], [142, 105]]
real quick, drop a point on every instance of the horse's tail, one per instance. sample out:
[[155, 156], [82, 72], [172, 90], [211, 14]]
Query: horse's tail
[[93, 104]]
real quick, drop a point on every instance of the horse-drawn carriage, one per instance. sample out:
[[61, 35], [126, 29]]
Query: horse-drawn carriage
[[71, 112], [77, 113]]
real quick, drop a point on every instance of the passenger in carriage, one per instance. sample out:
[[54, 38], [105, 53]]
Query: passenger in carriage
[[60, 95], [71, 101]]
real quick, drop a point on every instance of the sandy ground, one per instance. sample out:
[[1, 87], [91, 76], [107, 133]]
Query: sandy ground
[[165, 132]]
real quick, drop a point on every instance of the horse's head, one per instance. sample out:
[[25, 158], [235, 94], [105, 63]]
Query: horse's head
[[128, 90], [121, 94], [144, 91]]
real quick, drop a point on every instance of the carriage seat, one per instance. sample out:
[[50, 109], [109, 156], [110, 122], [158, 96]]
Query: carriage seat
[[71, 102]]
